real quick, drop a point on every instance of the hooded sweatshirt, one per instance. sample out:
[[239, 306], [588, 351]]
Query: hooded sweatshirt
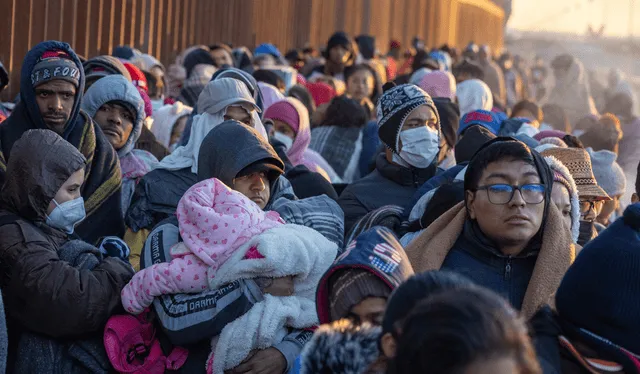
[[134, 163], [270, 94], [237, 74], [102, 182], [213, 103], [165, 119], [158, 193], [376, 251], [563, 176], [34, 279], [473, 95], [294, 113]]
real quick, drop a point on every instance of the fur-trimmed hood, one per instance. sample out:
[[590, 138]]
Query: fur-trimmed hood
[[559, 167], [341, 347]]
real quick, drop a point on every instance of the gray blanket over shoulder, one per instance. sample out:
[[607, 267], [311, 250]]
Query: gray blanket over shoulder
[[41, 354]]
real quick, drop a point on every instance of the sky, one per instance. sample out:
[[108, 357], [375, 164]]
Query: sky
[[574, 16]]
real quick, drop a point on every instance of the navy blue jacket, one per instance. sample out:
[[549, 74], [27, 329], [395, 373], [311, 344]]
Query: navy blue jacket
[[389, 184], [473, 257]]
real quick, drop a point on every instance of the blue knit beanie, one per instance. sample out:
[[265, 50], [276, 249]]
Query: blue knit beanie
[[601, 291], [483, 118]]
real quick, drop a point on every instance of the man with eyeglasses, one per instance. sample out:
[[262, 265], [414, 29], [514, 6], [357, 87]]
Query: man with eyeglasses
[[506, 235]]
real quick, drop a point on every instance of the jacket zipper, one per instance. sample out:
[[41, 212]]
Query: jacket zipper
[[507, 269]]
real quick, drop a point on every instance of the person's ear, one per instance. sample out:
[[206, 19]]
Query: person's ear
[[388, 344], [470, 198], [635, 198]]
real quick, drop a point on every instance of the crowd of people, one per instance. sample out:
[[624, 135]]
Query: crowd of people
[[334, 211]]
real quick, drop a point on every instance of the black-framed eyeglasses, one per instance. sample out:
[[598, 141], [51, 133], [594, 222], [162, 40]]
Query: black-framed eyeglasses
[[587, 206], [503, 193]]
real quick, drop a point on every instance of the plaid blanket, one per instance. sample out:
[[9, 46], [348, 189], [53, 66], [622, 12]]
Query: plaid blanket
[[320, 213], [389, 216], [340, 147]]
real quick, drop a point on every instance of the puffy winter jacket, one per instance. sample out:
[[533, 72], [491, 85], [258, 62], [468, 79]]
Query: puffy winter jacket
[[44, 294]]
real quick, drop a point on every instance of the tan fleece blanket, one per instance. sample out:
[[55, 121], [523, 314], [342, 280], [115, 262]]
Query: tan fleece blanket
[[428, 252]]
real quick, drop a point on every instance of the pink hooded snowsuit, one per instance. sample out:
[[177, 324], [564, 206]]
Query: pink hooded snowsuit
[[214, 222]]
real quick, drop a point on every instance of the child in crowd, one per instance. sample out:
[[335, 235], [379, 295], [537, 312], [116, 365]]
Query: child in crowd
[[227, 237]]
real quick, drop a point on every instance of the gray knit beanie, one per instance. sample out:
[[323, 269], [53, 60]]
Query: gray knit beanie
[[608, 173], [352, 286]]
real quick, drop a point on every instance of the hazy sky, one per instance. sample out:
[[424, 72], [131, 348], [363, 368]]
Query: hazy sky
[[575, 16]]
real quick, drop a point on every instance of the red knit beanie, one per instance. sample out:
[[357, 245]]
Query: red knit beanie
[[285, 112], [137, 76], [321, 92]]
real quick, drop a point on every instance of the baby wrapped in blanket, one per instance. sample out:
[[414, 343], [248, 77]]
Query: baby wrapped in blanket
[[227, 237]]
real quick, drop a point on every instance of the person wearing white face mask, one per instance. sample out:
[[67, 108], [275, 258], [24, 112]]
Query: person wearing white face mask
[[409, 125], [291, 124], [46, 294]]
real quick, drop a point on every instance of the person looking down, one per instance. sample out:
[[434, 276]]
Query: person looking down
[[47, 297], [291, 125]]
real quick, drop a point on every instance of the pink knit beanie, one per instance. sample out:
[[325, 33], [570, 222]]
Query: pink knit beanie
[[439, 84], [285, 112], [148, 108], [215, 221]]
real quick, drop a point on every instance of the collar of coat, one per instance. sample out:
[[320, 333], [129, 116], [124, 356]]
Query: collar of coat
[[429, 250]]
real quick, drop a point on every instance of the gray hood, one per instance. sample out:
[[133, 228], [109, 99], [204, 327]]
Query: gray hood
[[116, 88]]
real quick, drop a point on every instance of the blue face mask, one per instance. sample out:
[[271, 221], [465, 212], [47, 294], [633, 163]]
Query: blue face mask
[[67, 216]]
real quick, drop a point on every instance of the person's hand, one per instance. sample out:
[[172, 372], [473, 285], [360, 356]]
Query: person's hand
[[266, 361], [276, 286], [112, 246]]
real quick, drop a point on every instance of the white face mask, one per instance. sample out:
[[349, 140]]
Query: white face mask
[[68, 215], [282, 138], [419, 147]]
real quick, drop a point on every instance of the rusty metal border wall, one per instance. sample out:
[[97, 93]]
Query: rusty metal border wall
[[165, 27]]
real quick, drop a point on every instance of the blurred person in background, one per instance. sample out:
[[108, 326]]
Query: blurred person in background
[[341, 52], [493, 76], [512, 79], [571, 89]]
